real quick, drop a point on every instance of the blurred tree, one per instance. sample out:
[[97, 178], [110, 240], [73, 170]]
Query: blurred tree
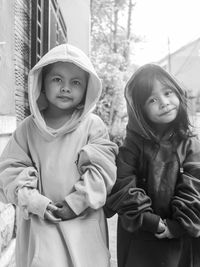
[[111, 35]]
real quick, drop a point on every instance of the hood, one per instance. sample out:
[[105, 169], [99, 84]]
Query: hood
[[37, 100], [136, 122]]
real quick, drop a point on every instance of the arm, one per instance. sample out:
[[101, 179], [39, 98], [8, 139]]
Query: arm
[[186, 202], [30, 201], [96, 164], [17, 172], [131, 203]]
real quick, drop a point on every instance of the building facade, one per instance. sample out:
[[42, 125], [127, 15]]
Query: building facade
[[184, 64], [28, 30]]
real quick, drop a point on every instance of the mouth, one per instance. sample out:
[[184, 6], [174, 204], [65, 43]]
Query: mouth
[[168, 112], [64, 97]]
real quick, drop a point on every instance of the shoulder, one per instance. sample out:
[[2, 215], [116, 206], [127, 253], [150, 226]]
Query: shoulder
[[190, 142], [129, 152], [189, 147], [193, 143], [94, 123], [94, 128], [24, 123], [95, 119], [24, 126], [133, 142]]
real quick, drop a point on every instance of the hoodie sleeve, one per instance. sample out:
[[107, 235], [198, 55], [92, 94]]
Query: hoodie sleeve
[[129, 201], [96, 164], [186, 201], [17, 171]]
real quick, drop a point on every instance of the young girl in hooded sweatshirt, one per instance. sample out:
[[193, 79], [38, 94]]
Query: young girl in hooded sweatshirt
[[59, 166], [157, 192]]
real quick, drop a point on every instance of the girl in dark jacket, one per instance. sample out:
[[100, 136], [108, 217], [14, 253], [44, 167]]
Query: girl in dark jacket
[[157, 192]]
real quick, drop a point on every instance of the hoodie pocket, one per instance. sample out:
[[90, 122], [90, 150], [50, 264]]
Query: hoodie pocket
[[46, 247], [84, 239]]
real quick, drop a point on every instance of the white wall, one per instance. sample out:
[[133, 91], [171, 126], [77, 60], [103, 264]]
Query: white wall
[[7, 127], [76, 14], [7, 98]]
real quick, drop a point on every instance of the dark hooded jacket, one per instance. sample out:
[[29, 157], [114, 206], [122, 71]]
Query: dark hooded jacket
[[157, 178]]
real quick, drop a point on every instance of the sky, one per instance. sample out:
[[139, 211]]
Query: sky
[[165, 25]]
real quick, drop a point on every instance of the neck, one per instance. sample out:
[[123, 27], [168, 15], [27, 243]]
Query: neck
[[161, 129], [56, 118]]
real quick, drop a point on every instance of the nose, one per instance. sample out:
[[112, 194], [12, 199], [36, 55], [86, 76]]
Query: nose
[[164, 101], [65, 89]]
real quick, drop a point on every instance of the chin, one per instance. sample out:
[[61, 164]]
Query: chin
[[169, 121]]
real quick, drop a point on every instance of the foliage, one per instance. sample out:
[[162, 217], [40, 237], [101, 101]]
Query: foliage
[[110, 39]]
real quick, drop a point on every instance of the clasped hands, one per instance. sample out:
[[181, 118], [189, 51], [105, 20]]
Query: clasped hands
[[59, 211], [163, 230]]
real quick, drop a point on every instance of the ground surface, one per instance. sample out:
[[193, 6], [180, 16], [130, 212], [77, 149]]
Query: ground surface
[[112, 225]]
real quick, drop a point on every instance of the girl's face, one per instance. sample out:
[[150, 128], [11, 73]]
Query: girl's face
[[65, 85], [162, 106]]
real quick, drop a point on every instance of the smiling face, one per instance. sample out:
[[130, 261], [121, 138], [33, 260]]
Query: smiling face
[[162, 106], [65, 86]]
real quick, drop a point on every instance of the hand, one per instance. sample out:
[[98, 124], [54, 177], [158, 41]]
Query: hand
[[165, 234], [161, 226], [48, 215], [64, 211]]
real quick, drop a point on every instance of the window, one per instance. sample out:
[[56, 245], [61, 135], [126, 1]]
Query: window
[[48, 28]]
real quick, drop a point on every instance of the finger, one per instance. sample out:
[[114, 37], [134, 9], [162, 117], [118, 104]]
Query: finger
[[53, 219], [59, 205], [51, 207], [61, 213], [161, 235], [49, 216], [58, 213]]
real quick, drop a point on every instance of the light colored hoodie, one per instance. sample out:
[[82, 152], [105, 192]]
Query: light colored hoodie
[[75, 163]]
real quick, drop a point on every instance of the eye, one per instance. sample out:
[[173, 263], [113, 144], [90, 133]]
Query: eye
[[169, 92], [76, 82], [57, 80], [152, 100]]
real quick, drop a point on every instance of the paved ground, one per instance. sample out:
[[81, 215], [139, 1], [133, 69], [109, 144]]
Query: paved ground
[[8, 257], [112, 225]]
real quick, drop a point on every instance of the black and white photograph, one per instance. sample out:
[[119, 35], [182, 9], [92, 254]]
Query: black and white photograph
[[99, 133]]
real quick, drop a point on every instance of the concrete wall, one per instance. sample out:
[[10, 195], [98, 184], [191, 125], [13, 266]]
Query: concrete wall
[[76, 14], [7, 127], [7, 101], [7, 122]]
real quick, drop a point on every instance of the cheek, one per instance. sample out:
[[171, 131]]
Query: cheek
[[149, 110], [176, 101], [51, 87], [50, 91], [80, 92], [46, 87], [151, 113]]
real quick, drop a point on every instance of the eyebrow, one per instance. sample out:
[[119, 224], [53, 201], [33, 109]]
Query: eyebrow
[[58, 74], [55, 74]]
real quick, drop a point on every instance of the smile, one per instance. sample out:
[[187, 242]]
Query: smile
[[167, 112]]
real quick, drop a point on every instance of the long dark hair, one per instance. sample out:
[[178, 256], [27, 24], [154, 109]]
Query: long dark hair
[[141, 86]]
